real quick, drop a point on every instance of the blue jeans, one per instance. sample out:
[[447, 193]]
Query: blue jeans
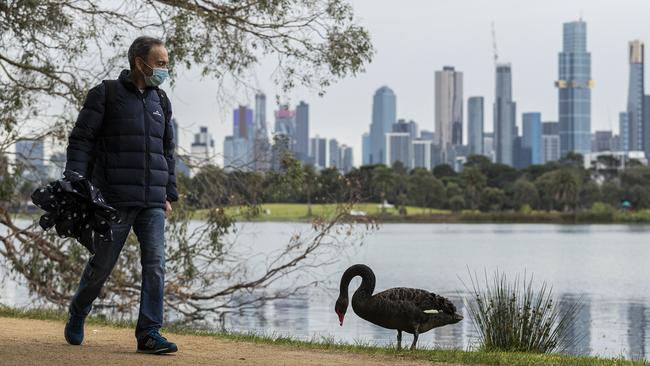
[[149, 227]]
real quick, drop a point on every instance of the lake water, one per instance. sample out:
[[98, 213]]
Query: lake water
[[604, 266]]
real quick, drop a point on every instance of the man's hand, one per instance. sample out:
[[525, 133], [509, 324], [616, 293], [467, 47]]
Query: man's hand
[[168, 208]]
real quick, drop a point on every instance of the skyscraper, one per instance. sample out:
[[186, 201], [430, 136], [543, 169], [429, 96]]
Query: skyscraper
[[235, 154], [427, 135], [318, 151], [475, 125], [239, 149], [365, 149], [488, 145], [550, 142], [624, 131], [449, 108], [242, 123], [279, 150], [603, 141], [384, 112], [260, 113], [635, 95], [347, 158], [301, 147], [646, 125], [399, 148], [335, 157], [181, 166], [285, 121], [409, 127], [532, 136], [574, 88], [262, 147], [504, 115], [285, 125], [422, 154], [201, 149]]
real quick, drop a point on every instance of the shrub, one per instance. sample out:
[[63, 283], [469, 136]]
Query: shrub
[[513, 316], [456, 203]]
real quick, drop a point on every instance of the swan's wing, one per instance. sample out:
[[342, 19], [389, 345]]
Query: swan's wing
[[424, 301]]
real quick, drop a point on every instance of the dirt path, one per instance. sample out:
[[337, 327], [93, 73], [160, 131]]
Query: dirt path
[[38, 342]]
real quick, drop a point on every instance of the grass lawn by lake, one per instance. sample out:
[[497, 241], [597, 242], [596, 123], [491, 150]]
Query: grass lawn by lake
[[325, 345], [300, 211]]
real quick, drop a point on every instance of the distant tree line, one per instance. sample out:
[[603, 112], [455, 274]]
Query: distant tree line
[[563, 185]]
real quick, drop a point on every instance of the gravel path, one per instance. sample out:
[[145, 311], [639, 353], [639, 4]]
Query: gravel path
[[38, 342]]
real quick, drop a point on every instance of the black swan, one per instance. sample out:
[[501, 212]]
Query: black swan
[[404, 309]]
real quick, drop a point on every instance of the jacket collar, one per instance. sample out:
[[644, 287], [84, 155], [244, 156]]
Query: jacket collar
[[125, 79]]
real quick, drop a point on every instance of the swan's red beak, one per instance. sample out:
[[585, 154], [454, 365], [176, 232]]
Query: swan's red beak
[[341, 316]]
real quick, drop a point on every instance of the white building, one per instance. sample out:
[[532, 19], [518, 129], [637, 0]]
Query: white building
[[202, 149]]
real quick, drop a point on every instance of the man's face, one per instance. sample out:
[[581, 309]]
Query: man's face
[[158, 58]]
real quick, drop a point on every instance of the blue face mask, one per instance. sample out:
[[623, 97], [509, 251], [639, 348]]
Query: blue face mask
[[157, 77]]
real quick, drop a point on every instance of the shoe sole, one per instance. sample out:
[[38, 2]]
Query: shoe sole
[[70, 342], [158, 351]]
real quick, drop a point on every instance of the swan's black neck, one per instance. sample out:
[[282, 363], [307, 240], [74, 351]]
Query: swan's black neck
[[367, 286]]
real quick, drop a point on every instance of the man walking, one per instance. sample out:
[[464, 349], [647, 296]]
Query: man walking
[[123, 141]]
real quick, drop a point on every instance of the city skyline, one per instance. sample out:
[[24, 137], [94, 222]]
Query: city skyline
[[344, 111]]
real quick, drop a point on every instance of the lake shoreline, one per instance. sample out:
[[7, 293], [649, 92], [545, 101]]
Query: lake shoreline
[[275, 347], [364, 212]]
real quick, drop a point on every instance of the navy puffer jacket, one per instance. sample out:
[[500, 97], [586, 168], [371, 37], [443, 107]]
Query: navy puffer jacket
[[125, 145]]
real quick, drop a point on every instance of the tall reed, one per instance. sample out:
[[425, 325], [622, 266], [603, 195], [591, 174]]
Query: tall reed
[[515, 316]]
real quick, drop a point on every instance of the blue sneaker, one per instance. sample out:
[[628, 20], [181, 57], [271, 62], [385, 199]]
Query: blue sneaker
[[154, 343], [74, 329]]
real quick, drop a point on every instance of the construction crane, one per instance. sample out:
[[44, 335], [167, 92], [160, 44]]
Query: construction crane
[[494, 45]]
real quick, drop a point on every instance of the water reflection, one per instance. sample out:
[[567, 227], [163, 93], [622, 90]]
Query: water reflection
[[578, 336], [636, 334]]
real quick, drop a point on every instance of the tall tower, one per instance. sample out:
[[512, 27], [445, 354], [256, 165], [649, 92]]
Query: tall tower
[[365, 149], [335, 154], [384, 114], [574, 88], [505, 112], [475, 125], [449, 108], [635, 95], [532, 136], [260, 115], [262, 147], [302, 131], [242, 123]]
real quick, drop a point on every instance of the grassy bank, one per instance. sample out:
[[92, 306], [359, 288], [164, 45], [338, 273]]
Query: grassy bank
[[438, 355], [299, 212]]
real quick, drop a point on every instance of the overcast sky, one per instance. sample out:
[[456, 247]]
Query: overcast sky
[[413, 38]]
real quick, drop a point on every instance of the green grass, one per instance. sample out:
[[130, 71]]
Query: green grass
[[437, 355], [299, 211]]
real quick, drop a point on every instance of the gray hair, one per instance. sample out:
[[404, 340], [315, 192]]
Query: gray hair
[[141, 47]]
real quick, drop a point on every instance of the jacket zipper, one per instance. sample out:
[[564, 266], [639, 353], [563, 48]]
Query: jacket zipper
[[146, 144]]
